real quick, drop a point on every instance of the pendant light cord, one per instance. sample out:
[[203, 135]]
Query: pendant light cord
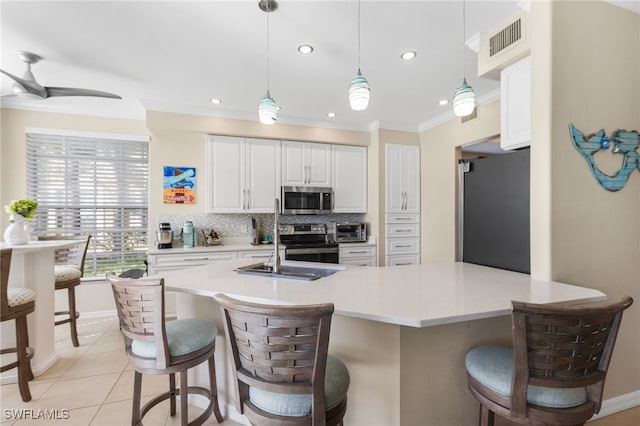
[[268, 2], [358, 35], [464, 37]]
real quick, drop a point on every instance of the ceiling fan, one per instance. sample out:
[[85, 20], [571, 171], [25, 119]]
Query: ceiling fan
[[28, 83]]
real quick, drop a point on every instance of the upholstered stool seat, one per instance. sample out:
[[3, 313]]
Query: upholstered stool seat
[[16, 304], [66, 273], [157, 346]]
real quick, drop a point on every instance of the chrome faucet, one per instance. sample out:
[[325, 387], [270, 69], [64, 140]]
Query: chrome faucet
[[276, 237]]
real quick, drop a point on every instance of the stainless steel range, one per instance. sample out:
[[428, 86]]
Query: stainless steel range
[[308, 242]]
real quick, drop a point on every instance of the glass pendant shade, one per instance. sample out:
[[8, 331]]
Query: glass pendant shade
[[464, 100], [359, 93], [268, 110]]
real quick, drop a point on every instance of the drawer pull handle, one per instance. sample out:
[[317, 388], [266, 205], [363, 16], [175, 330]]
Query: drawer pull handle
[[357, 252], [403, 218], [401, 264], [404, 230], [405, 246], [196, 260]]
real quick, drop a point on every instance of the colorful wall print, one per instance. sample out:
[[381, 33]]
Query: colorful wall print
[[624, 143], [179, 185]]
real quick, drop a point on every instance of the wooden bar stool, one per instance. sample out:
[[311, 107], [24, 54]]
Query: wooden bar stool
[[16, 304], [157, 346], [69, 269]]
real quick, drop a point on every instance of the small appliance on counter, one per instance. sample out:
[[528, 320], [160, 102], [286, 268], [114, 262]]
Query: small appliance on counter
[[188, 235], [347, 232], [164, 236]]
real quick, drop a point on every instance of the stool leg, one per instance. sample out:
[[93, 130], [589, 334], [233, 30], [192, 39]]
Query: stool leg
[[184, 398], [24, 367], [137, 391], [214, 389], [172, 389], [71, 291]]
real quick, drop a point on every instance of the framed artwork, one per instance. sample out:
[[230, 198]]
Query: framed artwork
[[179, 185]]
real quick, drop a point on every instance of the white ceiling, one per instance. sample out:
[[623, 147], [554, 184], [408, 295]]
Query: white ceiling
[[176, 55]]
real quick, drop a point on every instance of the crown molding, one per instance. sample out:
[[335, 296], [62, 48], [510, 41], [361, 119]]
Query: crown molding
[[112, 108], [485, 99]]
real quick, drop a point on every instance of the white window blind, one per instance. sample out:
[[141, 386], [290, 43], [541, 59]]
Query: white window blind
[[92, 185]]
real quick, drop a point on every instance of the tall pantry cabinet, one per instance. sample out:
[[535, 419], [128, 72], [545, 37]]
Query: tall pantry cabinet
[[402, 201]]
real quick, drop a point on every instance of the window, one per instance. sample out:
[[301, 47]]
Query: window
[[92, 184]]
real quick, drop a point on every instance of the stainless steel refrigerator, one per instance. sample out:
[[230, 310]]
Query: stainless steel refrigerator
[[493, 218]]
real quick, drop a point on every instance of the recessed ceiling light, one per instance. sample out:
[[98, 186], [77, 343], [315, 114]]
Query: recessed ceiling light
[[443, 101], [408, 55], [305, 49], [216, 101], [331, 114]]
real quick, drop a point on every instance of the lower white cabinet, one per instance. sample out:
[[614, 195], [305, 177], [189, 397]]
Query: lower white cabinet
[[358, 254], [408, 259], [402, 243], [263, 255], [174, 261]]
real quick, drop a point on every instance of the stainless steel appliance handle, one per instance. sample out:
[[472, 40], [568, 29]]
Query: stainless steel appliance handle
[[310, 250]]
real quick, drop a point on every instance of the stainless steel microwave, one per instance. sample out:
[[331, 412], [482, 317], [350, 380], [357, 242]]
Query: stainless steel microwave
[[306, 200]]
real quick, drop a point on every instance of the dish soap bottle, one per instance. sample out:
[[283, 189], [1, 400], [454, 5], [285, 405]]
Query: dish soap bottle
[[188, 235]]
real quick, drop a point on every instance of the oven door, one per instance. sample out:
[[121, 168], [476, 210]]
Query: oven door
[[312, 254]]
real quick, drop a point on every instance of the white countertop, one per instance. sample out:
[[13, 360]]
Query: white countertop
[[414, 295], [35, 246]]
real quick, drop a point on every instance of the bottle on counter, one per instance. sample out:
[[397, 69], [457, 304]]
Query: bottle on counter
[[188, 235]]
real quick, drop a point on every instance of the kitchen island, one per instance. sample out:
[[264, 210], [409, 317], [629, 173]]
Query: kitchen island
[[402, 331]]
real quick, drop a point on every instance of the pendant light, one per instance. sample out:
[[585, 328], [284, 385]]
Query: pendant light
[[359, 92], [464, 100], [268, 109]]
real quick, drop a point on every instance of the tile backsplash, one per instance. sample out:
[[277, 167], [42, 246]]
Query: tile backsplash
[[239, 224]]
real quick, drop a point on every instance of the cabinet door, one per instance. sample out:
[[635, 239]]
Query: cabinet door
[[319, 164], [262, 175], [394, 183], [515, 105], [225, 174], [411, 169], [294, 166], [349, 169]]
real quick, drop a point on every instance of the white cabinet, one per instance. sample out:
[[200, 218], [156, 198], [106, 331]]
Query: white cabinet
[[171, 262], [515, 105], [243, 174], [402, 178], [349, 178], [358, 254], [306, 164]]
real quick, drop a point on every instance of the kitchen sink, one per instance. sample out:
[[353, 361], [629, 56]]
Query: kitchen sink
[[307, 273]]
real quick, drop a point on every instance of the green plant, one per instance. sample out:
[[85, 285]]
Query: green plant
[[25, 208]]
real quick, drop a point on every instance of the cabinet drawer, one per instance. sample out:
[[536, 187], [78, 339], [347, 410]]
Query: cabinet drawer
[[403, 260], [403, 245], [346, 252], [187, 260], [403, 218], [403, 230], [359, 261], [258, 254]]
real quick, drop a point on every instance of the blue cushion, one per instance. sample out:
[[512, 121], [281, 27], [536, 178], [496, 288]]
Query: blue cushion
[[183, 336], [336, 384], [493, 367]]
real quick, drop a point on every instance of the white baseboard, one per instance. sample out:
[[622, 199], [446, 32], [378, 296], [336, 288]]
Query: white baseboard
[[619, 403]]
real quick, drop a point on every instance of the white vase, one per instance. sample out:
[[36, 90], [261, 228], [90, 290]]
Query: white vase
[[15, 233], [28, 229]]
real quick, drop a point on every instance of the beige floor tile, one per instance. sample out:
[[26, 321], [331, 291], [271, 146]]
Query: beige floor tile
[[107, 343], [629, 417], [119, 413], [58, 369], [152, 384], [94, 364], [10, 394], [77, 417], [78, 393]]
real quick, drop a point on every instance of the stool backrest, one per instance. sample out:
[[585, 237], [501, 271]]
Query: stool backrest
[[140, 306], [278, 348], [563, 346], [75, 255], [5, 265]]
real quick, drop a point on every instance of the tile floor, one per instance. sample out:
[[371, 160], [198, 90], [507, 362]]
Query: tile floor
[[94, 382]]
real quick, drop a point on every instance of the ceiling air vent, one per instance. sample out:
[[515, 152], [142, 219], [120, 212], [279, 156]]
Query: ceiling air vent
[[506, 44], [506, 37]]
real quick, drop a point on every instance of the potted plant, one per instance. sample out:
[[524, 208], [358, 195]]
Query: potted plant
[[19, 210]]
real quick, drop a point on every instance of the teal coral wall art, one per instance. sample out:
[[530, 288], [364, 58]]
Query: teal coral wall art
[[624, 143]]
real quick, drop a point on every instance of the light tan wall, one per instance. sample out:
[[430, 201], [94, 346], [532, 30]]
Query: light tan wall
[[594, 232], [438, 151]]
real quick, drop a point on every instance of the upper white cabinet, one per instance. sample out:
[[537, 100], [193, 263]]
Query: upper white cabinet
[[243, 174], [402, 178], [515, 106], [349, 178], [306, 164]]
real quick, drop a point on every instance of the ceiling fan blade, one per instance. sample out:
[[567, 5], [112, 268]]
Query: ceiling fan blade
[[28, 85], [69, 91]]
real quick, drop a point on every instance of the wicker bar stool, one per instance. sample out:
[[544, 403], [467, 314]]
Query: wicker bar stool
[[556, 370], [283, 373], [16, 304], [156, 346], [69, 269]]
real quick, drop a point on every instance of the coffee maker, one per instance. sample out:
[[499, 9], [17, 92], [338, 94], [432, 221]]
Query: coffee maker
[[164, 236]]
